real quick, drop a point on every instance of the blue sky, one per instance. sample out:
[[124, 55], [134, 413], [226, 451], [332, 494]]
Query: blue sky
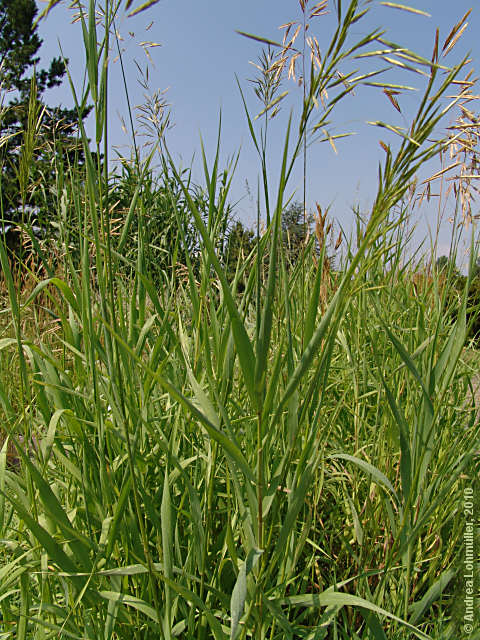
[[199, 56]]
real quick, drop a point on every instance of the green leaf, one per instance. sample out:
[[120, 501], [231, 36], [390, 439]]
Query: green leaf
[[55, 552], [223, 440], [3, 467], [260, 39], [166, 515], [296, 502], [336, 598], [374, 625], [193, 599], [62, 286], [411, 366], [239, 592], [417, 609], [242, 342], [376, 474], [406, 456], [143, 7], [91, 51], [314, 301], [80, 544], [268, 306], [403, 7], [133, 204], [47, 442], [117, 516], [130, 601]]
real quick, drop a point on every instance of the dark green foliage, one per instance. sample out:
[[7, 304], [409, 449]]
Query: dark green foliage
[[444, 265], [240, 243], [474, 307], [168, 231], [296, 224], [54, 139], [455, 282], [19, 43]]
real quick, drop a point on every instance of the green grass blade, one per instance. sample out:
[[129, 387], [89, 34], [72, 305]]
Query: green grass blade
[[80, 544], [374, 625], [404, 434], [242, 341], [408, 360], [239, 593], [229, 447], [130, 601], [337, 598], [379, 477], [166, 514], [3, 467], [117, 516], [417, 609], [314, 301], [268, 307]]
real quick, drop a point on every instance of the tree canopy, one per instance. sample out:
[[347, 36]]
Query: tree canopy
[[54, 126]]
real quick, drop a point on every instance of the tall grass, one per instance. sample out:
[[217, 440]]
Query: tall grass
[[195, 461]]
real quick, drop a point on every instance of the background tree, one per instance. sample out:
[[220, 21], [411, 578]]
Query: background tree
[[296, 226], [240, 242], [55, 126], [164, 210], [455, 283], [444, 264]]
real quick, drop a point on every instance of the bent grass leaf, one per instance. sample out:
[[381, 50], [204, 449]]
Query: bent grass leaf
[[117, 516], [374, 625], [192, 598], [260, 39], [376, 474], [408, 360], [130, 601], [142, 7], [336, 598], [80, 544], [64, 289], [55, 552]]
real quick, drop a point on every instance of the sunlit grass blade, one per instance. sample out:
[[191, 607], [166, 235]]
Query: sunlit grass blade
[[263, 342]]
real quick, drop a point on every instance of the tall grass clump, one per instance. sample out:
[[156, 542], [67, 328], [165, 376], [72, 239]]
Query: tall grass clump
[[196, 459]]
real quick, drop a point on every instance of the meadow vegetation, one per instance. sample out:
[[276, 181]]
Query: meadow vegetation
[[216, 433]]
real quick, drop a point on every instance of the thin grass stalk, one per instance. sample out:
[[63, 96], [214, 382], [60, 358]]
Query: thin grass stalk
[[304, 160]]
